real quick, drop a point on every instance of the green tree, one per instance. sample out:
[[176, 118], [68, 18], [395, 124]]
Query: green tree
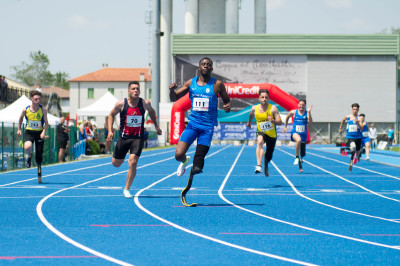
[[60, 79], [35, 71]]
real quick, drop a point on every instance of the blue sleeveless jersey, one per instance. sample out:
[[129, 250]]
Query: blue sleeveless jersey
[[365, 131], [204, 103], [353, 132], [300, 125]]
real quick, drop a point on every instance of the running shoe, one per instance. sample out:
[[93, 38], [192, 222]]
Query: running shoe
[[127, 194], [28, 163], [354, 161], [296, 161], [258, 169], [182, 167], [367, 158]]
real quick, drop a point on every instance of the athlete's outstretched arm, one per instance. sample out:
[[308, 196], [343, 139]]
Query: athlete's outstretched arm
[[176, 94], [309, 114], [153, 116], [290, 114], [224, 95], [21, 118], [251, 115], [110, 119], [341, 124], [277, 117], [46, 123]]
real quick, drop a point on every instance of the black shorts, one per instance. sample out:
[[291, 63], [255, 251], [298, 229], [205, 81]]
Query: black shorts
[[135, 146], [356, 141], [62, 143], [32, 135]]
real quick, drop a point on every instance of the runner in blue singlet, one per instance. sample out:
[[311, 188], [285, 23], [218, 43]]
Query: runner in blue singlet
[[203, 93], [301, 118], [353, 133], [365, 141]]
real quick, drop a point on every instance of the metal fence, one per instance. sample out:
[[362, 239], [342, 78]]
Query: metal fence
[[10, 94], [12, 146]]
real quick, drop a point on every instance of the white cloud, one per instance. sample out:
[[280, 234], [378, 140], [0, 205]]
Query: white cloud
[[355, 24], [275, 4], [78, 21], [339, 3]]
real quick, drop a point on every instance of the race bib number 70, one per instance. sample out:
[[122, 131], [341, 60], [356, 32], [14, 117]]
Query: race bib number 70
[[134, 120]]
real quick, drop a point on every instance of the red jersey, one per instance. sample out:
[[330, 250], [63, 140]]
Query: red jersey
[[132, 120]]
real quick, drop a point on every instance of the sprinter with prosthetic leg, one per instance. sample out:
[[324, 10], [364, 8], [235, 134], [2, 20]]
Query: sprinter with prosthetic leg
[[36, 126], [203, 93], [353, 133], [301, 119]]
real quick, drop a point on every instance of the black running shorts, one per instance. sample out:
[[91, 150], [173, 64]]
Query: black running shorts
[[356, 141], [32, 135], [135, 146]]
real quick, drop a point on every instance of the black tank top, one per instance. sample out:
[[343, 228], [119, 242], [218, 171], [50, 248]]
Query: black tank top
[[132, 121]]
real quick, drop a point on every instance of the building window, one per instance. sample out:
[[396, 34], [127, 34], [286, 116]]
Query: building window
[[90, 93], [111, 90]]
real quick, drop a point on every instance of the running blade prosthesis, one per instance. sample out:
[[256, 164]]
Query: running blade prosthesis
[[351, 164], [300, 166], [39, 174], [183, 193]]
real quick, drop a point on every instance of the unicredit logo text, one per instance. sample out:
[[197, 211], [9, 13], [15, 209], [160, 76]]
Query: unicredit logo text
[[177, 124], [240, 90]]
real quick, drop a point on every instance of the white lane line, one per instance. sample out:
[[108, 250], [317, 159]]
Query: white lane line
[[71, 241], [136, 199], [79, 169], [355, 166], [293, 224], [328, 205], [344, 179]]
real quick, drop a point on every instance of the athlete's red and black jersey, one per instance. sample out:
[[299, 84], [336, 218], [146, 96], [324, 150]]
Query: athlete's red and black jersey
[[132, 121]]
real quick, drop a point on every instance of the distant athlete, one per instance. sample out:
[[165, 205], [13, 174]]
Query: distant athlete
[[301, 119], [131, 132], [353, 133], [35, 131], [365, 141], [267, 117], [203, 93]]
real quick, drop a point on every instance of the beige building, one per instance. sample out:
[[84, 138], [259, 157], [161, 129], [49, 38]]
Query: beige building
[[88, 88]]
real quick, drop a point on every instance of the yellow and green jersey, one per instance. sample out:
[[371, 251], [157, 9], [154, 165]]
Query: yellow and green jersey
[[263, 124], [34, 120]]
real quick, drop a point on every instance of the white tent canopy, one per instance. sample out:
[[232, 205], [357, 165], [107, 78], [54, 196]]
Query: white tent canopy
[[101, 107], [11, 113]]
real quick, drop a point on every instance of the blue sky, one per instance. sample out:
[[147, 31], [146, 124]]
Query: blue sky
[[80, 35]]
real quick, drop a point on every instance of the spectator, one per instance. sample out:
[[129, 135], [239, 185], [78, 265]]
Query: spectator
[[82, 130], [390, 136], [146, 137], [372, 136], [62, 137], [89, 131]]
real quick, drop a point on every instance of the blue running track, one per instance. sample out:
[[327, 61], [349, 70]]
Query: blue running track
[[323, 216]]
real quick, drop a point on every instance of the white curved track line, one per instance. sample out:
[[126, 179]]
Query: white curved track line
[[348, 181], [136, 199], [69, 240], [325, 204], [355, 166], [293, 224], [69, 171]]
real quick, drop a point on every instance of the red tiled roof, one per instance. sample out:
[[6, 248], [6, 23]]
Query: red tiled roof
[[62, 93], [116, 74]]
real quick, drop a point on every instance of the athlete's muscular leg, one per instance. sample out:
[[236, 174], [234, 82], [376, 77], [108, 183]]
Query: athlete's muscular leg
[[181, 149], [133, 160], [259, 149], [28, 148], [296, 137]]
